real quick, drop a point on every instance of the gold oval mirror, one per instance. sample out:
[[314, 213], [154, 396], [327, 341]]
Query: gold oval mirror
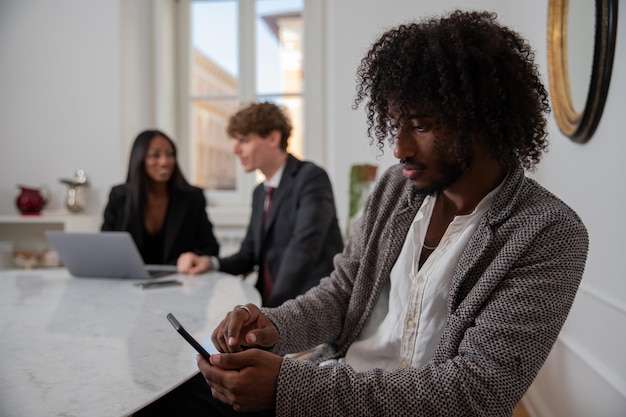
[[579, 89]]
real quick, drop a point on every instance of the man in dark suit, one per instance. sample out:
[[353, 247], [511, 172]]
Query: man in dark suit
[[293, 232]]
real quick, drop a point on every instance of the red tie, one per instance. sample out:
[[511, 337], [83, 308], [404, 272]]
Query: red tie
[[268, 283], [268, 202]]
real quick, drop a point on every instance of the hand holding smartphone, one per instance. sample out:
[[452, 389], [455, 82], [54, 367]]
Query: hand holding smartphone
[[189, 338]]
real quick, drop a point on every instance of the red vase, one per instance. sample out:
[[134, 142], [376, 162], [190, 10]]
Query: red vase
[[30, 201]]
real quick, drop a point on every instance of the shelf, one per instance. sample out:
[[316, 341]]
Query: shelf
[[60, 217], [27, 232]]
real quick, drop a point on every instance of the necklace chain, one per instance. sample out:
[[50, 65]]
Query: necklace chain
[[429, 247]]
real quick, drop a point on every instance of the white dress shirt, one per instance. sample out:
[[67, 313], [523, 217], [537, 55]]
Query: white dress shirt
[[273, 182], [409, 317]]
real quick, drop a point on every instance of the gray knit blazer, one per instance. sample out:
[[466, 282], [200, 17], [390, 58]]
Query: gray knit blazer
[[510, 295]]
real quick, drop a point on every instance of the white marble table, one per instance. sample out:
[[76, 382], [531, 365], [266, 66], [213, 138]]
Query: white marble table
[[101, 347]]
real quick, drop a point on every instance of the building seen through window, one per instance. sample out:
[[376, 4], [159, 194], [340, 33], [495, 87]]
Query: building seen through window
[[220, 82]]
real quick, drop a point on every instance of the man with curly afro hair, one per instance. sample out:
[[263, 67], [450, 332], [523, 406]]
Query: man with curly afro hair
[[449, 297]]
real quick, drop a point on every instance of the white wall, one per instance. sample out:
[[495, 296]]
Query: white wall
[[60, 96], [66, 105], [586, 372], [77, 83]]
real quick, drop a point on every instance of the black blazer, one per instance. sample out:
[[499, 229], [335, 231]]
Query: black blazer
[[186, 229], [301, 237]]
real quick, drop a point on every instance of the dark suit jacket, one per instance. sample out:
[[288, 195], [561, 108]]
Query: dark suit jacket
[[301, 237], [186, 229]]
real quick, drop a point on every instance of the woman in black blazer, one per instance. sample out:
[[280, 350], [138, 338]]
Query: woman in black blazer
[[165, 215]]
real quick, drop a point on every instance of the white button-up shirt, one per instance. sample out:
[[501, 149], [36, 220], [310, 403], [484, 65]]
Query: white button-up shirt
[[409, 317]]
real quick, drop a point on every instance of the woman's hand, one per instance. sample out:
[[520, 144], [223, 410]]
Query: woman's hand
[[190, 263]]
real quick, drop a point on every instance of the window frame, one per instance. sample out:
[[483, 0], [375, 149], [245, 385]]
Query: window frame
[[314, 126]]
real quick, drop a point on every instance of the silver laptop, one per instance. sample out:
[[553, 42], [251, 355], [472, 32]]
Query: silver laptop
[[103, 255]]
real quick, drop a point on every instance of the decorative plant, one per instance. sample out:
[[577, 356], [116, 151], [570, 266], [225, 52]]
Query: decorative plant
[[361, 179]]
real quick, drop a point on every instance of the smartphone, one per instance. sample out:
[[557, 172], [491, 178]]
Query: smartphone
[[189, 338], [157, 284]]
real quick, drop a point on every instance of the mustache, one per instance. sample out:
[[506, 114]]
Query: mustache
[[410, 162]]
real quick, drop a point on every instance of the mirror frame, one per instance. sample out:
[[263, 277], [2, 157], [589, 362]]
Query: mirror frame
[[580, 126]]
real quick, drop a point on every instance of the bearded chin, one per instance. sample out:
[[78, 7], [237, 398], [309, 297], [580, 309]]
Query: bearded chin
[[450, 173]]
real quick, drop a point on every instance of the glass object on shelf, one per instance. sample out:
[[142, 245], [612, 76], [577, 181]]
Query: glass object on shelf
[[76, 200]]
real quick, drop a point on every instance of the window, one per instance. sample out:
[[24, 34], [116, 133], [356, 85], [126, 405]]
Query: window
[[242, 51]]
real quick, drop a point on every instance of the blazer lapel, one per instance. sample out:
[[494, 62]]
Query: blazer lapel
[[173, 223], [258, 204], [395, 230], [284, 189], [500, 210], [399, 223], [133, 221]]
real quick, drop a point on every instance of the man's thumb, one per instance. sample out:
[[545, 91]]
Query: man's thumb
[[258, 337]]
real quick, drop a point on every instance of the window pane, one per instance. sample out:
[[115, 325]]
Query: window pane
[[279, 46], [214, 161], [214, 92], [293, 106], [215, 47], [216, 86]]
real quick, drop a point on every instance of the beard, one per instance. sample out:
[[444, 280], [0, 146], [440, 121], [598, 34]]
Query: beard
[[449, 173]]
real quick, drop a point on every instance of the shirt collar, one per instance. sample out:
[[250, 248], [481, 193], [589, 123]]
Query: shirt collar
[[275, 180]]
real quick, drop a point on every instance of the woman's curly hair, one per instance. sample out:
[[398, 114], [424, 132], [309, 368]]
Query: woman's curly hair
[[475, 76]]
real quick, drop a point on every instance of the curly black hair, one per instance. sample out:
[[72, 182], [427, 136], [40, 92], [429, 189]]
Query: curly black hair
[[477, 77]]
